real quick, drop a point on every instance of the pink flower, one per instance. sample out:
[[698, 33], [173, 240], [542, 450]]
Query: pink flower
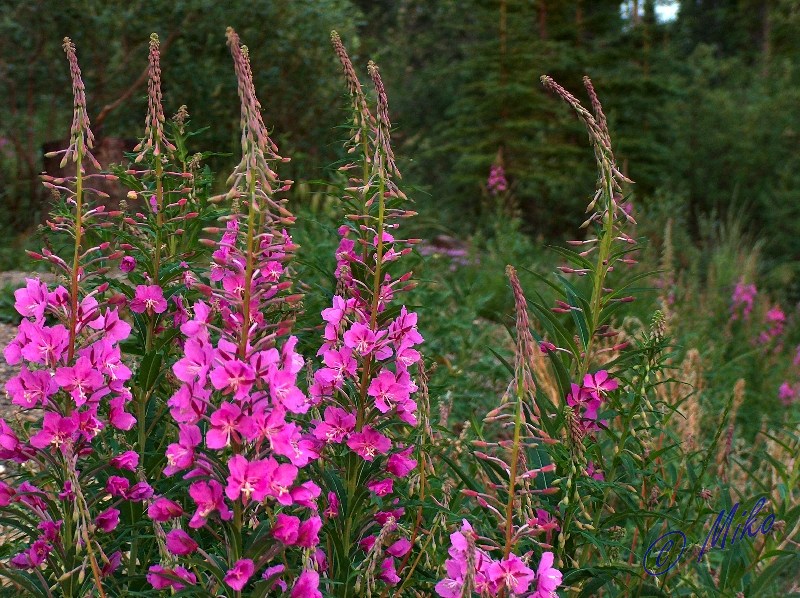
[[8, 440], [510, 573], [247, 478], [743, 295], [400, 548], [233, 377], [180, 455], [117, 486], [361, 339], [279, 480], [150, 299], [127, 460], [56, 430], [162, 509], [388, 391], [6, 494], [108, 520], [401, 463], [787, 394], [599, 383], [31, 389], [43, 344], [162, 579], [196, 361], [338, 423], [31, 301], [79, 380], [241, 572], [307, 585], [333, 506], [117, 416], [547, 577], [284, 391], [308, 534], [179, 543], [369, 443], [114, 328], [286, 528], [127, 264], [380, 487], [208, 498], [228, 424], [594, 473], [388, 572]]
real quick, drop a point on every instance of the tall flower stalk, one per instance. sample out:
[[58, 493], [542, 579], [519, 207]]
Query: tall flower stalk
[[365, 385], [73, 380]]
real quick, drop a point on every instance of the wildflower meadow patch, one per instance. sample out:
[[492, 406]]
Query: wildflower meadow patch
[[191, 429]]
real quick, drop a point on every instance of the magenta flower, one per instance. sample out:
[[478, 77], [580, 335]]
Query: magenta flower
[[280, 479], [400, 548], [31, 301], [43, 344], [117, 486], [387, 391], [361, 339], [787, 394], [30, 389], [333, 506], [196, 361], [79, 380], [308, 534], [380, 487], [241, 572], [56, 430], [510, 573], [180, 455], [127, 460], [150, 299], [208, 498], [117, 416], [599, 383], [547, 577], [368, 443], [401, 463], [594, 473], [108, 520], [307, 585], [286, 528], [233, 377], [228, 424], [248, 479], [162, 509], [127, 264], [338, 423], [179, 543], [8, 440]]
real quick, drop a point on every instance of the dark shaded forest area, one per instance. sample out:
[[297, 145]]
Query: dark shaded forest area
[[701, 98]]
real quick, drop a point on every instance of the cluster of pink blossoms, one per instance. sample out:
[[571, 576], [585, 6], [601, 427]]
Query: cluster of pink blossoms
[[507, 576], [775, 320], [497, 183], [588, 398], [73, 372], [744, 296]]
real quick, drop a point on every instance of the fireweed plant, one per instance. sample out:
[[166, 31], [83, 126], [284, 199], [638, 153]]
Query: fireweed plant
[[173, 440]]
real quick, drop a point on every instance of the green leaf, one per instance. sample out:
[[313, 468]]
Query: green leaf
[[149, 370]]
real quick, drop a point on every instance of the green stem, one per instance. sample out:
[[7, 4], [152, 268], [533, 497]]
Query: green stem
[[512, 478], [73, 316], [601, 271]]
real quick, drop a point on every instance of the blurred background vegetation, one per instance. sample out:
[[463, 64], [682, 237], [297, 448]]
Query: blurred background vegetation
[[701, 98]]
